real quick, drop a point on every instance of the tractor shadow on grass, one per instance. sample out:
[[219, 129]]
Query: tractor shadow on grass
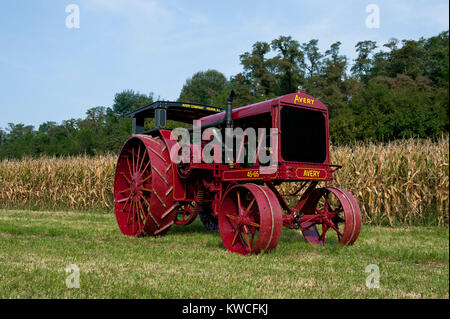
[[291, 240], [195, 228]]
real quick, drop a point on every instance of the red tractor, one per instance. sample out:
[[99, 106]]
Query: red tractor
[[241, 199]]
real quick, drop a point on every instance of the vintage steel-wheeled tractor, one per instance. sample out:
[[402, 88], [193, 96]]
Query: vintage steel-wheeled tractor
[[153, 191]]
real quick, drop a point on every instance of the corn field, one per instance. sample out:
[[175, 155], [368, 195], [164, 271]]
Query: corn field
[[79, 183], [403, 181], [400, 182]]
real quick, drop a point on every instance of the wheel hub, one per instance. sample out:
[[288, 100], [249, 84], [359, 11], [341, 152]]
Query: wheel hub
[[136, 185]]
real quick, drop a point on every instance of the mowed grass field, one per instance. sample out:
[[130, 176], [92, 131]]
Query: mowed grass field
[[190, 262]]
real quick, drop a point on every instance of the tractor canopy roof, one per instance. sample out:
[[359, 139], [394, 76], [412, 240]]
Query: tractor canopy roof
[[177, 111], [299, 99]]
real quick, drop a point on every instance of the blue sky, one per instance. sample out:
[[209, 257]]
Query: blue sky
[[51, 73]]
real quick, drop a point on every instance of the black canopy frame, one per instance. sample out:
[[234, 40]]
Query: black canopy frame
[[165, 110]]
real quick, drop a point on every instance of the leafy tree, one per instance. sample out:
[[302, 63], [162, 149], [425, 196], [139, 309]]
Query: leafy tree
[[312, 63], [242, 87], [382, 59], [2, 136], [400, 107], [288, 64], [128, 101], [209, 87], [331, 85], [407, 59], [335, 64], [436, 59], [363, 63], [260, 70]]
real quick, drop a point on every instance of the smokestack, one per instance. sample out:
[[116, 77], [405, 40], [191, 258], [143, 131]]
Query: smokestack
[[228, 133], [229, 110]]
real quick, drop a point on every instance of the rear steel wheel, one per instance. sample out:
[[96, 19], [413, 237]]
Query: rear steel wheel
[[142, 187], [132, 188], [331, 214], [250, 219]]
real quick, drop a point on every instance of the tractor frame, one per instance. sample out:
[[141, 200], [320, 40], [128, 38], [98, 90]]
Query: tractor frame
[[242, 200]]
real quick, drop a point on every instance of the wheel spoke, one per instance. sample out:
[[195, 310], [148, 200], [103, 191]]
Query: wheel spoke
[[253, 232], [125, 190], [126, 178], [324, 230], [247, 211], [232, 221], [129, 168], [143, 212], [145, 179], [123, 200], [142, 163], [236, 233], [138, 158], [336, 211], [248, 243], [126, 203], [145, 168], [336, 229], [234, 227], [132, 150], [130, 214], [253, 224], [239, 203], [133, 209], [144, 156], [128, 219], [138, 215]]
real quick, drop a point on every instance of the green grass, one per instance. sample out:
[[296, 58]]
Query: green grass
[[190, 262]]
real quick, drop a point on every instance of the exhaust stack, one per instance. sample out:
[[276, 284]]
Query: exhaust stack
[[229, 110]]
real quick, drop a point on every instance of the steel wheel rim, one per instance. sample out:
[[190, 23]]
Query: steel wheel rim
[[338, 222], [250, 219], [132, 188]]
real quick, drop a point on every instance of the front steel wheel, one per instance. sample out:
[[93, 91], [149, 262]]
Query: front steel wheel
[[250, 219], [331, 214]]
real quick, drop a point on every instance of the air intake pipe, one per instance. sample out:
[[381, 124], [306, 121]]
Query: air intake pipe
[[228, 121], [229, 111]]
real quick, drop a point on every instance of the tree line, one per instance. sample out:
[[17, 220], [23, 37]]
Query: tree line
[[396, 90]]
